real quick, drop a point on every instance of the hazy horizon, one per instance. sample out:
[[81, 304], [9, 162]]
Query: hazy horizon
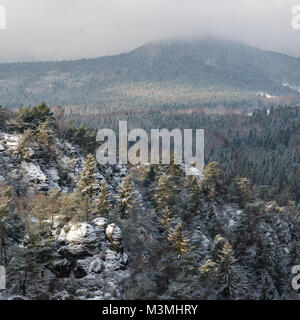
[[179, 39], [44, 30]]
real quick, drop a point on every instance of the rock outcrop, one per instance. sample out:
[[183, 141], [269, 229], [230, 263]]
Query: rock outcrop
[[40, 172], [83, 262]]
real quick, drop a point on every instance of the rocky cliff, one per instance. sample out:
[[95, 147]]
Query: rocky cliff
[[85, 260]]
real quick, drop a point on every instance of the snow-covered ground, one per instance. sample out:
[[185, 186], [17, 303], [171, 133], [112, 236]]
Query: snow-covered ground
[[291, 86], [266, 95]]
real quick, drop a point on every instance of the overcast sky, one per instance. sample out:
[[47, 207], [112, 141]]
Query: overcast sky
[[71, 29]]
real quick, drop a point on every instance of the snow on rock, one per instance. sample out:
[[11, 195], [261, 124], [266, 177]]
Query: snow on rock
[[33, 174], [89, 256], [115, 260], [81, 233], [54, 178], [96, 265], [205, 242], [190, 170], [11, 140], [291, 86], [83, 263], [44, 173], [231, 223], [100, 222], [62, 237], [265, 95], [88, 266]]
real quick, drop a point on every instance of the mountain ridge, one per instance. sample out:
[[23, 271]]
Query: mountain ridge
[[206, 72]]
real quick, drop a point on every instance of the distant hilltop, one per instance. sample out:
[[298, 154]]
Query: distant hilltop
[[203, 72]]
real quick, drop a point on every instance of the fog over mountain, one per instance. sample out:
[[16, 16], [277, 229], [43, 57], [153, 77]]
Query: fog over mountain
[[72, 29]]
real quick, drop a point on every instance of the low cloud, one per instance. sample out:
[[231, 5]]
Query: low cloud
[[71, 29]]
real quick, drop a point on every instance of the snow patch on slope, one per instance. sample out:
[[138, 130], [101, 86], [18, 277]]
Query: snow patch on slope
[[291, 86]]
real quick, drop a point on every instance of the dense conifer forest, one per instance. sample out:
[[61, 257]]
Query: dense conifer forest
[[262, 146], [71, 229]]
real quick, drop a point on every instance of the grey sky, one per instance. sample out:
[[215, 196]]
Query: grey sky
[[70, 29]]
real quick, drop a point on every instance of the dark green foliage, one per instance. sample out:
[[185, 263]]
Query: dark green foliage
[[222, 238], [32, 117], [79, 135], [263, 147], [150, 175], [126, 198], [241, 255]]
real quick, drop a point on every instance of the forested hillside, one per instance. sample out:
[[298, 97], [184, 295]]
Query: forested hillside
[[263, 146], [72, 229], [205, 72]]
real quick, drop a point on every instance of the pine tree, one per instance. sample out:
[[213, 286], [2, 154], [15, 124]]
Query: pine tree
[[194, 197], [166, 220], [210, 179], [86, 187], [174, 169], [229, 276], [69, 207], [180, 242], [53, 206], [150, 176], [31, 117], [211, 172], [244, 190], [293, 209], [165, 192], [45, 135], [126, 198], [103, 203], [39, 230], [226, 259], [209, 270], [25, 143], [222, 271]]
